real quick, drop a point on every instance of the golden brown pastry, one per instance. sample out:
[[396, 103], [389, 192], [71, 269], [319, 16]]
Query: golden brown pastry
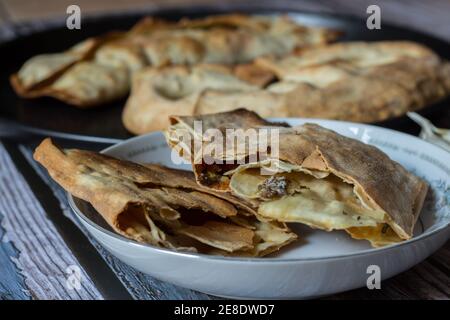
[[158, 93], [108, 62], [315, 177], [161, 206], [86, 75], [227, 39], [359, 81], [41, 70], [355, 81]]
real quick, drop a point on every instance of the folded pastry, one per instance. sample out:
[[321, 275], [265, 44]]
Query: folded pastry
[[161, 206], [355, 81], [158, 93], [99, 69], [360, 81], [226, 39], [308, 174], [94, 72]]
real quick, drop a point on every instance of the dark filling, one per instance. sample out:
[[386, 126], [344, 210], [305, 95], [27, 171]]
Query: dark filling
[[275, 186], [211, 174]]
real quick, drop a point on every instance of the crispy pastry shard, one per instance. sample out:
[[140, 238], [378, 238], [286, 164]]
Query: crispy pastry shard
[[99, 69], [161, 206], [318, 178]]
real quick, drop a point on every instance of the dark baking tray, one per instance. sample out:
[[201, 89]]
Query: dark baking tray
[[20, 118]]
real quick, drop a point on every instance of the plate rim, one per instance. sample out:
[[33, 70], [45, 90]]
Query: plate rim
[[80, 215]]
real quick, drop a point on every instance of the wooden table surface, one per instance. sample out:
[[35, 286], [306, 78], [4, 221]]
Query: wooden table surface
[[40, 239]]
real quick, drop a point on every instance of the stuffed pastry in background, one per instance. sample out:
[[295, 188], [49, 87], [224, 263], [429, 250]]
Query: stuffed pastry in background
[[158, 93], [352, 81], [100, 69]]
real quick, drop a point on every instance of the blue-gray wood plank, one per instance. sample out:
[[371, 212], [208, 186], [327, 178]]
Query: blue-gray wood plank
[[41, 257], [12, 283]]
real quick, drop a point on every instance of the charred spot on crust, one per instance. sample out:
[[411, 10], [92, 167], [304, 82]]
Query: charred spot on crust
[[275, 186]]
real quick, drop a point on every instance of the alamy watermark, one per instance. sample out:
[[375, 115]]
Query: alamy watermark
[[226, 146], [374, 279], [73, 280], [73, 21], [373, 21]]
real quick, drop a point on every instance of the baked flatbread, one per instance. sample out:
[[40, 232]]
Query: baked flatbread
[[355, 81], [108, 62], [317, 177], [161, 206]]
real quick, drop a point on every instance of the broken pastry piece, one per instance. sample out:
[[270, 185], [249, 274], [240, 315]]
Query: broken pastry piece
[[318, 177], [161, 206], [99, 70]]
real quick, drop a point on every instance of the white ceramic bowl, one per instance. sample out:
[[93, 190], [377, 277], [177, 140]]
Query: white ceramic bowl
[[321, 263]]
